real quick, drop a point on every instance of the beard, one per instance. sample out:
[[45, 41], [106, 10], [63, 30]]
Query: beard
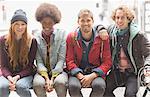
[[86, 29]]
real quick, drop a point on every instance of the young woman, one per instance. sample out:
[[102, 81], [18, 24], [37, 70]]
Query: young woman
[[18, 50]]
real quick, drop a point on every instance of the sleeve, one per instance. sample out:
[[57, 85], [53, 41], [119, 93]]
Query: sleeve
[[106, 60], [61, 55], [99, 27], [4, 58], [41, 69], [145, 47], [70, 56]]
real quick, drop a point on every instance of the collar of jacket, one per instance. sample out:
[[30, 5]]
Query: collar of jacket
[[79, 37]]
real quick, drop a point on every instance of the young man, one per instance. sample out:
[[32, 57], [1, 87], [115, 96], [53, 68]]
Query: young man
[[130, 51], [51, 53], [88, 58]]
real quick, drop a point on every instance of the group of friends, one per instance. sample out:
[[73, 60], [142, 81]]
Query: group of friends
[[92, 56]]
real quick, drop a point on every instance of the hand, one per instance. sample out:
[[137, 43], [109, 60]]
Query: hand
[[48, 85], [15, 78], [12, 83], [80, 76], [146, 72], [10, 79], [12, 86], [51, 85], [103, 34], [87, 80]]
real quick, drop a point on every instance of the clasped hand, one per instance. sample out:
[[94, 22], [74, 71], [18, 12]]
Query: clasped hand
[[49, 85], [12, 82]]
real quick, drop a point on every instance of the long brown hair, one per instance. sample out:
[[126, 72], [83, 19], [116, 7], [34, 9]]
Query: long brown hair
[[16, 57]]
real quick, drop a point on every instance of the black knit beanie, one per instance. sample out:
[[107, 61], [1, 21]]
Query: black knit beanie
[[19, 15]]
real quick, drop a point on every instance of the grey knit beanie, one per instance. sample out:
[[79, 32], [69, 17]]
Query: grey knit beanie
[[19, 15]]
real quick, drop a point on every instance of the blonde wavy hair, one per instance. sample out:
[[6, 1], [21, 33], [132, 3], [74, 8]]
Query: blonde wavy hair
[[129, 13], [14, 55]]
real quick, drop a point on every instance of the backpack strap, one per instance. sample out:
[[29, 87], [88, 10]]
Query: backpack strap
[[74, 39], [101, 51]]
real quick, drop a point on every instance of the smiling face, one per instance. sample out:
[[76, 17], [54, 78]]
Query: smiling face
[[85, 22], [19, 28], [121, 19], [47, 24]]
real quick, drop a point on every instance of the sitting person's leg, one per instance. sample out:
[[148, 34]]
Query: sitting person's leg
[[39, 86], [131, 86], [23, 86], [60, 84], [110, 85], [74, 87], [4, 87], [98, 87]]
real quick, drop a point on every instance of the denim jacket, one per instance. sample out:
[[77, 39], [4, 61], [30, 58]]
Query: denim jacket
[[57, 52]]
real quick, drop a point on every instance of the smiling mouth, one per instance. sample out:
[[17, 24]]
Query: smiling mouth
[[46, 29], [19, 30]]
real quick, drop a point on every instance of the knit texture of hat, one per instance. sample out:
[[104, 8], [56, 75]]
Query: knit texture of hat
[[19, 15]]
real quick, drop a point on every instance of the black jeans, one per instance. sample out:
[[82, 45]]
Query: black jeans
[[130, 83]]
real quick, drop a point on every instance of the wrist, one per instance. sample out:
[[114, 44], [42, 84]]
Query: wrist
[[80, 76], [94, 75]]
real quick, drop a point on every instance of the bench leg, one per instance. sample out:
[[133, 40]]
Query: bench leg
[[145, 92]]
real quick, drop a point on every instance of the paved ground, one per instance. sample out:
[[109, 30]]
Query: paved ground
[[118, 92]]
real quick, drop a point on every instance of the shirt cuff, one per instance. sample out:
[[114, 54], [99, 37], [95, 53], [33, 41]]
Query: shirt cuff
[[98, 71], [75, 71], [43, 73]]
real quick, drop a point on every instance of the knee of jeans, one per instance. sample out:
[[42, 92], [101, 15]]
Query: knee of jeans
[[20, 86], [4, 86], [60, 82], [99, 86], [130, 94], [38, 83], [74, 87]]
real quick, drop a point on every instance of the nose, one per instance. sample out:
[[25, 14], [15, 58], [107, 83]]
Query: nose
[[20, 26], [85, 23], [119, 19]]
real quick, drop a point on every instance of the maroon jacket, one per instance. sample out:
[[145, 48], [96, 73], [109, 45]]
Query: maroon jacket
[[74, 52], [7, 70]]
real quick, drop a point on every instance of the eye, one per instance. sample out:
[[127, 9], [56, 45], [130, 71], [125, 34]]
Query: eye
[[82, 20], [23, 24], [88, 20], [120, 17]]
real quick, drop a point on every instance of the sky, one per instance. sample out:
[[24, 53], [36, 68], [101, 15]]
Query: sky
[[69, 10]]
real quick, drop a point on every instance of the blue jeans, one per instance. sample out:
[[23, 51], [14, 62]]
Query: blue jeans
[[23, 86], [98, 87]]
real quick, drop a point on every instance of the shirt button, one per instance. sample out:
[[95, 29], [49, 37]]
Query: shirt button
[[84, 52]]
